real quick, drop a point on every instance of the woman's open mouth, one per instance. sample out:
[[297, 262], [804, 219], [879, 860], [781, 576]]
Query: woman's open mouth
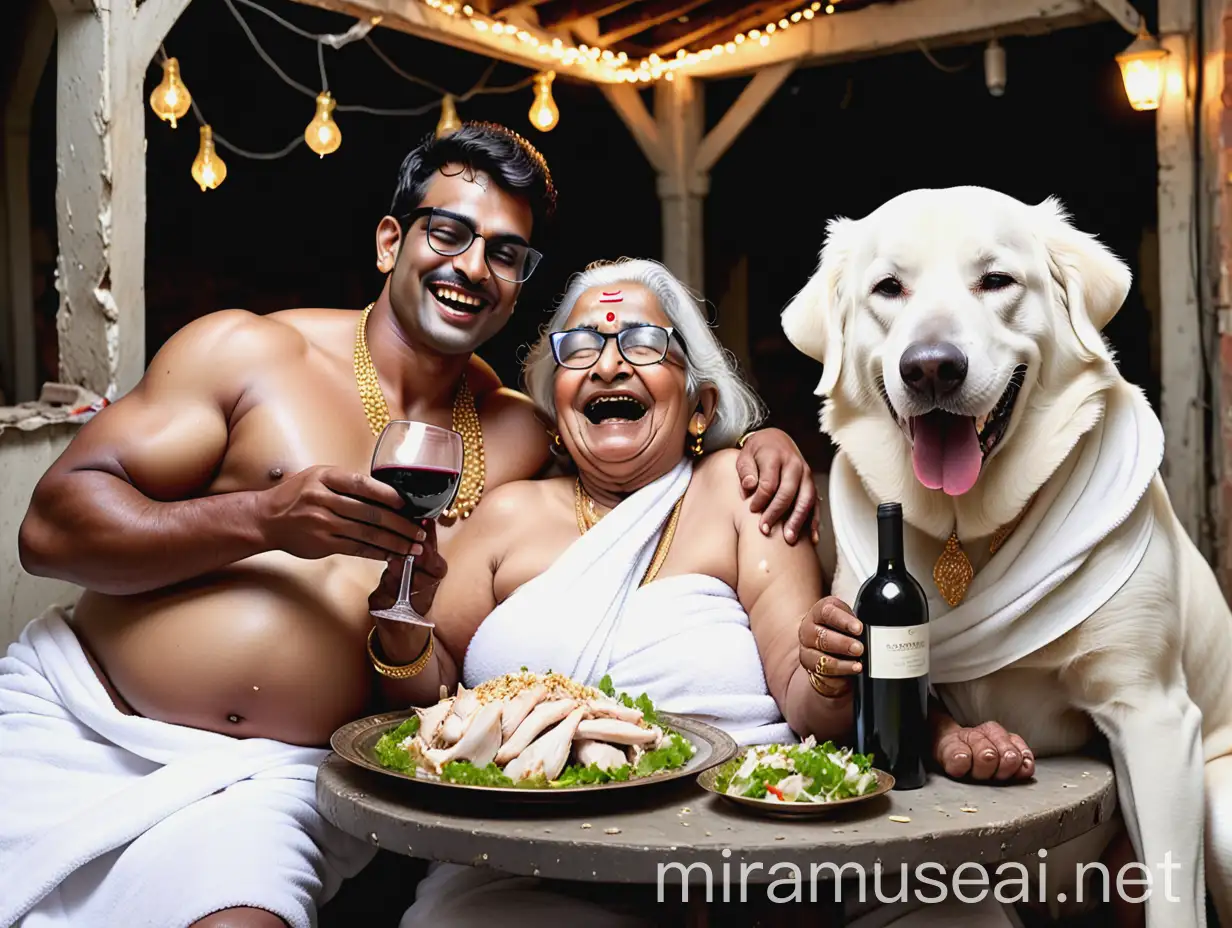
[[614, 408], [947, 450], [456, 300]]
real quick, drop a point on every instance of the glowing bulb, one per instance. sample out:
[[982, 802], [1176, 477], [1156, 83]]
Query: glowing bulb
[[764, 40], [830, 8], [1142, 70], [449, 121], [208, 169], [170, 99], [543, 112], [808, 14], [322, 134], [730, 48]]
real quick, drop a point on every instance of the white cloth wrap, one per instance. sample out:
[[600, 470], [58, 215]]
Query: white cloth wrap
[[112, 819], [1028, 596], [683, 640]]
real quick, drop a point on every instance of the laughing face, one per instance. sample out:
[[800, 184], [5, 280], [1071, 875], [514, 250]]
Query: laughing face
[[621, 421], [453, 304]]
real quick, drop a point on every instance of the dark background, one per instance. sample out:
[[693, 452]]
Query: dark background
[[836, 140]]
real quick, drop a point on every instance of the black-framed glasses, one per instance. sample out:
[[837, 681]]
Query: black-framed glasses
[[450, 235], [640, 345]]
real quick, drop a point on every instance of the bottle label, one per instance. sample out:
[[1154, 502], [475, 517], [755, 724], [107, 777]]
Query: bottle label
[[897, 652]]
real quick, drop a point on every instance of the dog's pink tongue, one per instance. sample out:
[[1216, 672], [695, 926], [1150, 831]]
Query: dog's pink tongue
[[946, 454]]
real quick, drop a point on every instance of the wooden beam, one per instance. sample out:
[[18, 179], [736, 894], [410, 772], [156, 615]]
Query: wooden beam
[[414, 18], [1181, 340], [720, 32], [643, 16], [754, 96], [627, 103], [885, 28], [154, 20], [1124, 13], [562, 12], [727, 15]]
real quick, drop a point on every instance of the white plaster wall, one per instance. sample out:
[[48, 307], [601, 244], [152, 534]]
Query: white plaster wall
[[24, 456]]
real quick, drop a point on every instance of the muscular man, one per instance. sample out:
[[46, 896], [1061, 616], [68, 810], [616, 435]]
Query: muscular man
[[160, 742]]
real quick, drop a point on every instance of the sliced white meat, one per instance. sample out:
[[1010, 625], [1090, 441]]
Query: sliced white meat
[[465, 702], [451, 730], [548, 754], [604, 756], [431, 719], [480, 743], [618, 732], [516, 709], [540, 718], [610, 709]]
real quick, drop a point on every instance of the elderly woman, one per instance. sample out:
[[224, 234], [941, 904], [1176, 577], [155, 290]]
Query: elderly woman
[[646, 566]]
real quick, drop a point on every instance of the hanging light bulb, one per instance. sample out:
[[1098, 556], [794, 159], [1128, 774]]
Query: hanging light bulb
[[449, 118], [208, 169], [1142, 70], [170, 99], [543, 112], [323, 135]]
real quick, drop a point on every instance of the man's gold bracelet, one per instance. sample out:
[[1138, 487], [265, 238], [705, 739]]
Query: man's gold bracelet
[[743, 438], [405, 671]]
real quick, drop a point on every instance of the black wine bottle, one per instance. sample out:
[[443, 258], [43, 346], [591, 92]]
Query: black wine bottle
[[891, 694]]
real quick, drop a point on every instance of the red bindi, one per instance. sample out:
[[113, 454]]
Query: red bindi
[[611, 317]]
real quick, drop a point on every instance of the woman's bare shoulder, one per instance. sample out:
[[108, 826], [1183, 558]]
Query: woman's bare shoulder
[[715, 475]]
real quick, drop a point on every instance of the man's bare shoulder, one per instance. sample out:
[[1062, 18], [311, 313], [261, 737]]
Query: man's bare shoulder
[[225, 339]]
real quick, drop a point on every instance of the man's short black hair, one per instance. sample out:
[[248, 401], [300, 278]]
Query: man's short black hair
[[511, 161]]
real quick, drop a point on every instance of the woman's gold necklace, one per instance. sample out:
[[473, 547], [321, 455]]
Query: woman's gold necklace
[[465, 422], [587, 518]]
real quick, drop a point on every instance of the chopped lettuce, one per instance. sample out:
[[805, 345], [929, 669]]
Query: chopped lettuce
[[577, 775], [642, 702], [389, 750], [674, 752], [463, 771], [805, 772]]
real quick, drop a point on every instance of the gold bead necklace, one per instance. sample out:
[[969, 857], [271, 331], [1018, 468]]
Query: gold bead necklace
[[465, 422], [588, 518]]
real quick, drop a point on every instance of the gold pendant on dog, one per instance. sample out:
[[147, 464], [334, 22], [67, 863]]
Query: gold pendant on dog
[[953, 572]]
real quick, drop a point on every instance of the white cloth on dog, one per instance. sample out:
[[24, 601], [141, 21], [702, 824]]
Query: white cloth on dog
[[112, 819], [1098, 489], [684, 640]]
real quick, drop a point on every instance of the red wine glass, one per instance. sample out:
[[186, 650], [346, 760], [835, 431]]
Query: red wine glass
[[423, 463]]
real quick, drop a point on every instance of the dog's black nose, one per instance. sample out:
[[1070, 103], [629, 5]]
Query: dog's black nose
[[933, 369]]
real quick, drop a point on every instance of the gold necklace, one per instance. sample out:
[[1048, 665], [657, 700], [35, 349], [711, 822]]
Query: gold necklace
[[465, 422], [587, 518], [953, 572]]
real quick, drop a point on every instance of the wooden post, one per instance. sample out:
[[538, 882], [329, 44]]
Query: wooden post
[[1184, 388], [17, 341], [103, 52]]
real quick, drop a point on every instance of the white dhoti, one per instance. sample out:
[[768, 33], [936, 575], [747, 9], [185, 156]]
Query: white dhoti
[[683, 640], [109, 819]]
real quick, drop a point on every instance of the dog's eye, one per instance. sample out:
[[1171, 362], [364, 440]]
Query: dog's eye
[[889, 287], [996, 281]]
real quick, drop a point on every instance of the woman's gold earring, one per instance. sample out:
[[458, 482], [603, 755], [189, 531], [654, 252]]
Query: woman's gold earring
[[695, 447], [557, 446]]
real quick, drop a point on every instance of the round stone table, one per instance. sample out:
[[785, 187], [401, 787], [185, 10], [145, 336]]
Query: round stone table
[[628, 836]]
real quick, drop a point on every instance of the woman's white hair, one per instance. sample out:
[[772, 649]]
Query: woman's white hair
[[706, 360]]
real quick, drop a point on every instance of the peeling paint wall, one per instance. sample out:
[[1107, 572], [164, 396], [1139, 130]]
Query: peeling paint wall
[[24, 457]]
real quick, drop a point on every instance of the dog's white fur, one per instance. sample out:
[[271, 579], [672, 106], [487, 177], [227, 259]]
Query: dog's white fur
[[1162, 645]]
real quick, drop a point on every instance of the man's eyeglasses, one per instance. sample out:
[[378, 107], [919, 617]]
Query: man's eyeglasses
[[640, 345], [450, 235]]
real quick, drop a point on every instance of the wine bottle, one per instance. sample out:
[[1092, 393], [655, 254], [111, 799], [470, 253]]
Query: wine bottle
[[891, 693]]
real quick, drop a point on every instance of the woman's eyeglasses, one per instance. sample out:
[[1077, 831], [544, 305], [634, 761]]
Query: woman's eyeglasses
[[451, 235], [640, 345]]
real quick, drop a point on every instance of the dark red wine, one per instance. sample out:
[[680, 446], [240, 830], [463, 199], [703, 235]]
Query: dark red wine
[[891, 695], [427, 490]]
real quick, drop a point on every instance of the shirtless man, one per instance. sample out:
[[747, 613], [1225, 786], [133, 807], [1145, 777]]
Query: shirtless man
[[223, 523]]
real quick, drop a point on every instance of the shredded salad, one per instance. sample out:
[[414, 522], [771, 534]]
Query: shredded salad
[[805, 772]]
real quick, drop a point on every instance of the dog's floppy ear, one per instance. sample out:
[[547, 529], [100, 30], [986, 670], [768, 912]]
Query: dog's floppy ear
[[813, 320], [1094, 280]]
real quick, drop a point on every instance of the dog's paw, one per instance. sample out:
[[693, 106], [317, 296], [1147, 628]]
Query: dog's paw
[[985, 752]]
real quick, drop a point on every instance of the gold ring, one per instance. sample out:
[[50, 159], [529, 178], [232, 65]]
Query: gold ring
[[821, 638], [820, 669]]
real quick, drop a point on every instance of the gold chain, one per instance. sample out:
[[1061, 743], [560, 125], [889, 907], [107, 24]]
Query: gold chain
[[953, 572], [587, 518], [465, 422]]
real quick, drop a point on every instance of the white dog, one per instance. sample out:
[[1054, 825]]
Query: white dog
[[966, 377]]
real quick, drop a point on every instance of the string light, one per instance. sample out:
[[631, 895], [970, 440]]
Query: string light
[[449, 121], [208, 170], [544, 114], [170, 100], [322, 134]]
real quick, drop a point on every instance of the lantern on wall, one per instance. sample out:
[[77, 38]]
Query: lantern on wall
[[1142, 70]]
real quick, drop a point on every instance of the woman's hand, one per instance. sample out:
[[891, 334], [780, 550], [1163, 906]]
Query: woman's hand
[[828, 647], [985, 752], [772, 468]]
